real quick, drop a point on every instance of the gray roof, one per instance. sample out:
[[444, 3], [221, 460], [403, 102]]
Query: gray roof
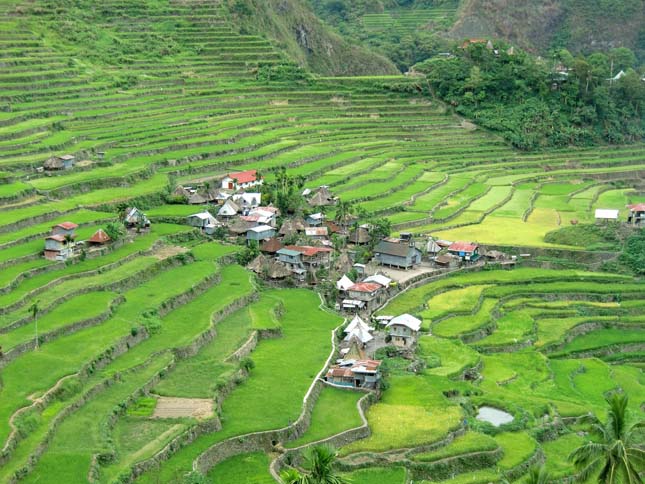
[[289, 252], [399, 249]]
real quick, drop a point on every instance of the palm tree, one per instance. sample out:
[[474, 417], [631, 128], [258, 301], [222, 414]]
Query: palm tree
[[319, 462], [319, 468], [617, 455], [344, 209], [538, 475], [34, 309]]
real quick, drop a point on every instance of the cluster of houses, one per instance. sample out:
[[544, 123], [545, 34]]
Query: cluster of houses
[[61, 243], [354, 368]]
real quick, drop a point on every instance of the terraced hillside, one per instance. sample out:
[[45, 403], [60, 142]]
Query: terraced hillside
[[159, 92]]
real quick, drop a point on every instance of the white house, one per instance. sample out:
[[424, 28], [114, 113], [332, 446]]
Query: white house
[[248, 200], [201, 219], [229, 209], [404, 330], [241, 180], [344, 283]]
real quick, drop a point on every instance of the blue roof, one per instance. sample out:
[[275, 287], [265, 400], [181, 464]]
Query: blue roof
[[289, 252]]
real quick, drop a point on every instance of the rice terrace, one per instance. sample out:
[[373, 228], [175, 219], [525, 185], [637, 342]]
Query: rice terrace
[[309, 241]]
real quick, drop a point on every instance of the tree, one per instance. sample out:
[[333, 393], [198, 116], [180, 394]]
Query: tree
[[115, 230], [617, 454], [344, 210], [34, 309], [319, 462]]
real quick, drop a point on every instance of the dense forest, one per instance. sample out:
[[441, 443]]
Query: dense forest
[[537, 102]]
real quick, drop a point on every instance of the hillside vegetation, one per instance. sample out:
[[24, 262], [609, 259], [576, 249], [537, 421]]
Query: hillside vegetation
[[579, 25]]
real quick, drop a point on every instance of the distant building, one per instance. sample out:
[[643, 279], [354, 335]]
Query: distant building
[[248, 200], [241, 180], [313, 257], [64, 228], [55, 163]]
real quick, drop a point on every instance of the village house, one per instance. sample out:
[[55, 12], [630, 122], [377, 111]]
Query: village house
[[270, 268], [135, 218], [271, 246], [241, 180], [99, 238], [398, 252], [292, 226], [359, 236], [447, 261], [404, 330], [261, 232], [606, 215], [315, 219], [248, 200], [65, 228], [313, 258], [379, 279], [59, 246], [432, 248], [261, 216], [55, 163], [367, 293], [316, 233], [292, 258], [201, 220], [344, 283], [228, 209], [358, 330], [636, 214], [355, 373], [322, 198], [467, 251]]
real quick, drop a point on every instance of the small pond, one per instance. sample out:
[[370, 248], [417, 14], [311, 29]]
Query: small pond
[[494, 416]]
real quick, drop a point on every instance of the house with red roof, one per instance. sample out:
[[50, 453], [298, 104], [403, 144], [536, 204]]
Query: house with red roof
[[466, 250], [355, 373], [241, 180], [59, 246], [636, 214], [99, 238], [368, 293], [312, 257]]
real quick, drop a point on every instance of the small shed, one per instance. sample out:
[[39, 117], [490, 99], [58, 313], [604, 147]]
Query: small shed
[[99, 238], [271, 246], [64, 228], [197, 199], [606, 215], [432, 248], [135, 218], [379, 279], [55, 163], [636, 214], [359, 236]]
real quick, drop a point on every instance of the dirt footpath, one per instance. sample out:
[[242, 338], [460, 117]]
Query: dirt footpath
[[170, 407]]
